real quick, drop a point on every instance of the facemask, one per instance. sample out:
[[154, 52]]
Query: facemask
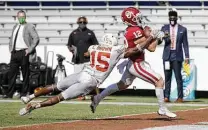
[[22, 20], [173, 22], [82, 26]]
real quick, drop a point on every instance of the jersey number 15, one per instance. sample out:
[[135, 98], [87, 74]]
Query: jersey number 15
[[99, 60]]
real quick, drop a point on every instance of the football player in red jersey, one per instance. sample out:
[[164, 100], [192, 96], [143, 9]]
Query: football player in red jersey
[[135, 35]]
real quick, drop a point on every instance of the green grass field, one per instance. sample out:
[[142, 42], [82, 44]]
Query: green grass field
[[67, 112]]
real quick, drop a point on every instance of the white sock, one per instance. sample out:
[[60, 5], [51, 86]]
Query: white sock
[[108, 91], [37, 106], [160, 97], [31, 96]]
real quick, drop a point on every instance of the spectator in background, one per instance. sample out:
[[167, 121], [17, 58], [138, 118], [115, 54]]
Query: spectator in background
[[78, 43], [23, 42], [173, 54]]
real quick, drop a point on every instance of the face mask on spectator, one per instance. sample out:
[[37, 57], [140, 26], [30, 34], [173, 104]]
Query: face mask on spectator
[[173, 20], [22, 20], [82, 24]]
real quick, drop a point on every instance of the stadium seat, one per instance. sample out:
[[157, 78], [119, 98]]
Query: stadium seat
[[58, 41], [48, 34], [37, 19], [159, 12], [4, 40], [194, 19], [9, 26], [101, 20], [183, 12], [91, 26], [42, 13], [7, 19], [198, 12], [65, 33], [201, 34], [193, 27], [206, 26], [8, 13], [61, 20], [53, 27], [190, 34], [77, 13], [108, 12], [157, 19], [119, 27], [146, 11], [52, 41]]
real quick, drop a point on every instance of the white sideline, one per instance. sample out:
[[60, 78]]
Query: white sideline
[[118, 103]]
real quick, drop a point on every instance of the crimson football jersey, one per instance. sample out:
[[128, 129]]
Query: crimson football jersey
[[133, 33]]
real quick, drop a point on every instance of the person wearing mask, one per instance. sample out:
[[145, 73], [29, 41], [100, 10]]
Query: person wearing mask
[[78, 43], [23, 41], [175, 42]]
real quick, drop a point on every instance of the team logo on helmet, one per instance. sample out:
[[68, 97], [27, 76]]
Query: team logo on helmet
[[106, 39], [128, 14], [109, 39]]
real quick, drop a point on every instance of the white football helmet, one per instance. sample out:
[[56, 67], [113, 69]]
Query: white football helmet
[[109, 39]]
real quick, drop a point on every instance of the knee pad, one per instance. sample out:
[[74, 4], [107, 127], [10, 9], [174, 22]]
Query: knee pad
[[127, 81], [122, 85]]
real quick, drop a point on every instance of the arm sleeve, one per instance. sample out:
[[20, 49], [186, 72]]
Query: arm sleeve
[[70, 40], [94, 39], [11, 38], [166, 39], [35, 37], [185, 44], [121, 51], [90, 48]]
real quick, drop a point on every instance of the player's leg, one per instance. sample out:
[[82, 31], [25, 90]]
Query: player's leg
[[143, 71], [125, 81], [85, 84], [43, 91], [61, 86], [48, 102]]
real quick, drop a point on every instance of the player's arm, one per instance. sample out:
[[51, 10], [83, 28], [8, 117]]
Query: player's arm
[[142, 43], [156, 36], [152, 47]]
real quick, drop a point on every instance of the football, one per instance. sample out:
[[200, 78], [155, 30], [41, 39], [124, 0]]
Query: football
[[147, 31]]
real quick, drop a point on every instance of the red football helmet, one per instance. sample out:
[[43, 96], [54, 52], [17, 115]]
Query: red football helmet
[[132, 16]]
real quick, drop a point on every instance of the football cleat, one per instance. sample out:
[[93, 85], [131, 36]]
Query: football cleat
[[94, 103], [25, 99], [27, 109], [166, 112]]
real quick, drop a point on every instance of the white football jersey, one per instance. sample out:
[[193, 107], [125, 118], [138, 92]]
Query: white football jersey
[[103, 59]]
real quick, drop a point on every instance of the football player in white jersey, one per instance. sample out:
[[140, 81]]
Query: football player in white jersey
[[103, 58]]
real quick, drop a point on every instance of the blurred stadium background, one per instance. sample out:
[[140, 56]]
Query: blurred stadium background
[[54, 21]]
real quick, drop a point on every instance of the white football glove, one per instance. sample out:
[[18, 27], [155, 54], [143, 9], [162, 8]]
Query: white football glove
[[154, 33], [160, 35]]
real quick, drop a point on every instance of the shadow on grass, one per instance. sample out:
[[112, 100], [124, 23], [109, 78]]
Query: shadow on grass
[[195, 101], [136, 119]]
